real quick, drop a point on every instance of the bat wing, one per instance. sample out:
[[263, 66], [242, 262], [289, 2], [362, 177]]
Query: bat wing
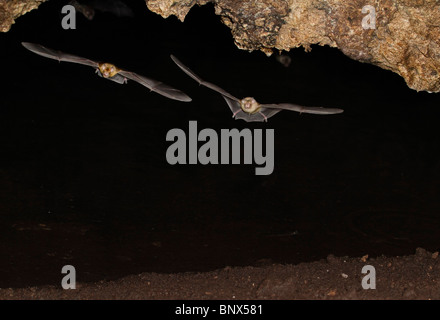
[[302, 109], [57, 55], [233, 105], [269, 112], [156, 86], [263, 115], [209, 85]]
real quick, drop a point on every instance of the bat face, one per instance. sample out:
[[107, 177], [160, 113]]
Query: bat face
[[259, 113], [108, 70], [250, 105]]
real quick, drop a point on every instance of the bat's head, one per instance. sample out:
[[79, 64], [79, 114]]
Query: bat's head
[[108, 70], [249, 105], [88, 12]]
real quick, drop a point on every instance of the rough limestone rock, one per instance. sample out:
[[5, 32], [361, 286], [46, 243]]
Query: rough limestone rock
[[398, 35], [12, 9], [405, 37]]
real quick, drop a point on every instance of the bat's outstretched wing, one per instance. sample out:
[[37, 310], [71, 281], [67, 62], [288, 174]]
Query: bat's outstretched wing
[[58, 55], [234, 105], [302, 109], [209, 85], [156, 86]]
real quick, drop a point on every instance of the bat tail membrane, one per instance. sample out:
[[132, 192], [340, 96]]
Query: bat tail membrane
[[250, 117], [255, 117], [116, 78], [269, 112], [262, 116]]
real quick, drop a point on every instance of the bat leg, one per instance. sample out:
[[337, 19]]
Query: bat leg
[[264, 116], [235, 113]]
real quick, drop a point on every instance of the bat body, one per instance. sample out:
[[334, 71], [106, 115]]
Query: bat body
[[248, 108], [85, 9], [116, 7], [109, 71], [284, 59]]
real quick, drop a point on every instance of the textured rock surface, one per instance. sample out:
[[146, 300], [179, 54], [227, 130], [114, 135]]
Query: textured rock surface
[[405, 39], [12, 9]]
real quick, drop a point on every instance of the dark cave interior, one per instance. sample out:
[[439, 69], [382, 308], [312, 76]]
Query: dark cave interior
[[84, 178]]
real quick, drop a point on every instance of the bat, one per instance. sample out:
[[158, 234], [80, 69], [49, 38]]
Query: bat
[[109, 71], [248, 108], [284, 59], [86, 10], [116, 7]]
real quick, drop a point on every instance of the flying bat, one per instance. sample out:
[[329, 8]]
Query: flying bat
[[248, 108], [115, 7], [110, 71]]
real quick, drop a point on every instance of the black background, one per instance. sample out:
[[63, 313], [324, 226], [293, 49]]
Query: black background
[[84, 179]]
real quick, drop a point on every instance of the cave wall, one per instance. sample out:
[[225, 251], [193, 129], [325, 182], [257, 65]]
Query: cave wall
[[12, 9], [405, 38]]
